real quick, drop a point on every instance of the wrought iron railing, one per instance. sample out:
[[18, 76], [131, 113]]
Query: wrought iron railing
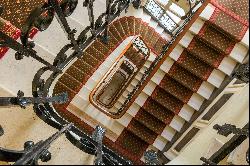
[[42, 85], [164, 19], [240, 135]]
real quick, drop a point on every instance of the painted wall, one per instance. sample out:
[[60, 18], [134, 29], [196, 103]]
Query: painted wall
[[235, 111]]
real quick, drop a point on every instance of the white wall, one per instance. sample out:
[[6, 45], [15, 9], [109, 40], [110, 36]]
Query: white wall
[[235, 111]]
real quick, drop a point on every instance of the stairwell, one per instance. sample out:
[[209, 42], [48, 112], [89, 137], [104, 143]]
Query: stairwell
[[206, 55]]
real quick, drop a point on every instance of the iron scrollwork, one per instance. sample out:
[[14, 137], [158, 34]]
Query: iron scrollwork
[[98, 136], [22, 101], [32, 152], [240, 135], [242, 73], [228, 129], [41, 19], [151, 158]]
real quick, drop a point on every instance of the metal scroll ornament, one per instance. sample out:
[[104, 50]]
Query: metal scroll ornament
[[151, 158], [98, 136], [242, 73]]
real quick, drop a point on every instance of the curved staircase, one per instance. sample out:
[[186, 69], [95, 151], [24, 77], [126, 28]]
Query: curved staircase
[[204, 57]]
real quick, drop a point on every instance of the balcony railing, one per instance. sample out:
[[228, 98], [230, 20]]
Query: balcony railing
[[169, 19]]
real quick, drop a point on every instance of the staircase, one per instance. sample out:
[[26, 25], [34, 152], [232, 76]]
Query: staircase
[[205, 56]]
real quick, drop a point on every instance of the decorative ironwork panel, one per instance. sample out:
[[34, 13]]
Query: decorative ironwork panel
[[138, 43], [154, 8], [168, 23]]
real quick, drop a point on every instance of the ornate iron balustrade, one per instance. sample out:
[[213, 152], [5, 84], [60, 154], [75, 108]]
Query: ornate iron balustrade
[[22, 101], [242, 73], [164, 19], [41, 18], [141, 46], [32, 152], [161, 16], [240, 136], [42, 86]]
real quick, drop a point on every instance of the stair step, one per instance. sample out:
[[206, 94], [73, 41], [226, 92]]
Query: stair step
[[194, 65], [77, 74], [132, 144], [119, 28], [150, 121], [185, 78], [115, 33], [168, 133], [131, 25], [177, 123], [176, 89], [158, 47], [138, 23], [70, 82], [142, 132], [159, 111], [167, 100], [207, 54], [216, 39], [160, 142]]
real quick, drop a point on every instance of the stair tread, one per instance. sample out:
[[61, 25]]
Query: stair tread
[[205, 53], [216, 39], [119, 28], [176, 89], [132, 144], [18, 13], [77, 74], [115, 33], [229, 24], [125, 27], [167, 100], [153, 40], [84, 67], [149, 34], [98, 45], [70, 82], [159, 111], [195, 65], [138, 23], [158, 47], [150, 121], [95, 53], [131, 25], [184, 77], [141, 131], [144, 30], [92, 61]]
